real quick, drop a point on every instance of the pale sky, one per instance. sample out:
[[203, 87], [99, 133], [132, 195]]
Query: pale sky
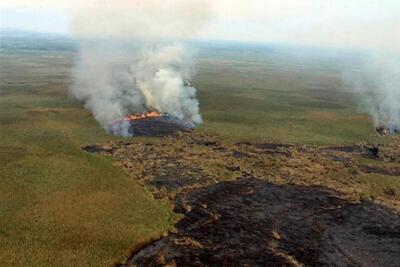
[[344, 23]]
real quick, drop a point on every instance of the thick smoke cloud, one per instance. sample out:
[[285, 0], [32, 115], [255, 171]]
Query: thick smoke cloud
[[137, 61], [377, 85]]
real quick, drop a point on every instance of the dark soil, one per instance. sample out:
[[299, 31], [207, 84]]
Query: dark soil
[[365, 151], [348, 149], [272, 146], [255, 223], [381, 170], [292, 206], [154, 127], [97, 149], [151, 126]]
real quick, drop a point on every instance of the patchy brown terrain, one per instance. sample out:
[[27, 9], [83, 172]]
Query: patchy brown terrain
[[277, 204]]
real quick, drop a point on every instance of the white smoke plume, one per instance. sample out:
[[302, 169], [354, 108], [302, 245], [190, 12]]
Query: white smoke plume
[[377, 85], [133, 60]]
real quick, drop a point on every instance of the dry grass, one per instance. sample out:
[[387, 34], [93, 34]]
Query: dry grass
[[60, 206], [258, 95]]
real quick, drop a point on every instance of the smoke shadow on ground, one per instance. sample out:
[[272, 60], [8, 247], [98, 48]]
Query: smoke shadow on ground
[[252, 222]]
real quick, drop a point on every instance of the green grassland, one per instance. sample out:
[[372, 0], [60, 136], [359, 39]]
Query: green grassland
[[256, 95], [60, 206]]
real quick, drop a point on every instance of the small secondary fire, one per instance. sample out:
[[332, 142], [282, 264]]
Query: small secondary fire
[[148, 124]]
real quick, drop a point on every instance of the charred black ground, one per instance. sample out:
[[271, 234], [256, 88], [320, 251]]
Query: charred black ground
[[160, 126], [163, 125], [267, 204], [251, 222]]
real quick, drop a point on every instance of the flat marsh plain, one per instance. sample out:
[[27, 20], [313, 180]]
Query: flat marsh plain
[[61, 206]]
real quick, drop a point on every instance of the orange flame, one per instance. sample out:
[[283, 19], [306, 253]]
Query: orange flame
[[133, 117]]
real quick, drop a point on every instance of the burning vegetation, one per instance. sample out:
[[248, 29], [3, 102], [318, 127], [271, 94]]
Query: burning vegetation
[[152, 114], [149, 124], [383, 131]]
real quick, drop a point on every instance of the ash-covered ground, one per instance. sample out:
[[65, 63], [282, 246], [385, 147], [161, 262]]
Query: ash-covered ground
[[152, 126], [267, 204]]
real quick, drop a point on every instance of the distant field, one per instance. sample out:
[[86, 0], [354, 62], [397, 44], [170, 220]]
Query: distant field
[[256, 94], [62, 207]]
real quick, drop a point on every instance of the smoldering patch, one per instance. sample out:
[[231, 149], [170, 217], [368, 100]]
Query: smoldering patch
[[376, 83], [150, 124], [137, 63]]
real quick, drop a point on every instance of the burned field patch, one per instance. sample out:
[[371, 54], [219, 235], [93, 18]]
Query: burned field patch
[[148, 127], [348, 149], [151, 124], [391, 171], [155, 127], [257, 204], [97, 149], [252, 222], [389, 152]]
